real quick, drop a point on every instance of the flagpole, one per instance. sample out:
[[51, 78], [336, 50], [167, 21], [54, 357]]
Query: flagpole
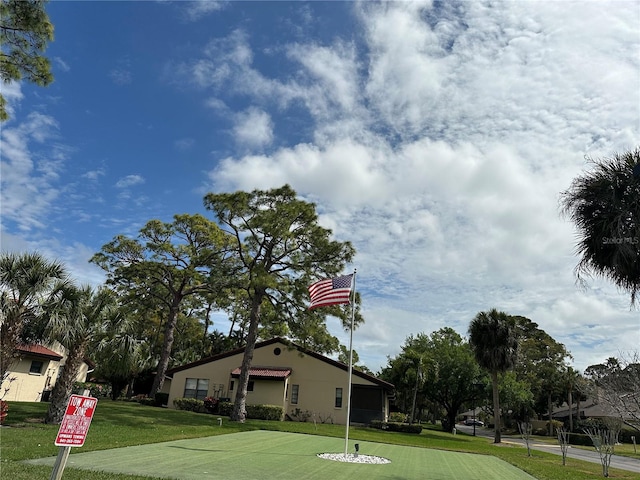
[[353, 313]]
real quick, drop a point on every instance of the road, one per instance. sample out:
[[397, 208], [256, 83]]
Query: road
[[623, 463]]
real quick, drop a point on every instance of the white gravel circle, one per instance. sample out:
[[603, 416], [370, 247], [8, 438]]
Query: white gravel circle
[[352, 458]]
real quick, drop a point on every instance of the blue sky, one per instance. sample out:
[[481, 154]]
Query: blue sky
[[435, 136]]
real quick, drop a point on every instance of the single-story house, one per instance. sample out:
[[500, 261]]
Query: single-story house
[[303, 382], [589, 408], [33, 376]]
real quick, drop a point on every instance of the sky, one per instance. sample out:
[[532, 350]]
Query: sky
[[436, 137]]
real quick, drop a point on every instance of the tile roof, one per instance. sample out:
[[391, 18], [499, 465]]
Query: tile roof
[[265, 372], [40, 351]]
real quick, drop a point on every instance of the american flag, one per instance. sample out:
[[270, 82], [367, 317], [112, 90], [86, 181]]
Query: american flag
[[332, 291]]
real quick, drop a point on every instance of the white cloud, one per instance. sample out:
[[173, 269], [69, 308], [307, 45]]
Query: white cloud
[[130, 181], [482, 117], [12, 94], [253, 129], [196, 10], [61, 64], [435, 136], [27, 180]]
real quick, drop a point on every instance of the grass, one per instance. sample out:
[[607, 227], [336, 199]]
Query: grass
[[119, 424]]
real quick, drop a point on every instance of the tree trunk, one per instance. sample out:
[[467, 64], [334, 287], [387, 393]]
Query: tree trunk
[[496, 408], [550, 408], [167, 346], [64, 385], [570, 411], [578, 408], [415, 396], [239, 413]]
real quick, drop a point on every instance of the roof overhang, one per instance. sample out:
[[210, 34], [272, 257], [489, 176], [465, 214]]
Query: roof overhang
[[265, 373], [39, 351]]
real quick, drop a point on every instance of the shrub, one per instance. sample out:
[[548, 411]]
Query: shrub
[[225, 408], [95, 389], [4, 410], [161, 399], [580, 439], [626, 434], [211, 404], [396, 427], [190, 405], [265, 412], [150, 402], [398, 417], [298, 415]]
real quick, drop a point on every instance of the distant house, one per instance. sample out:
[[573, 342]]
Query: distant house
[[33, 376], [283, 373], [591, 409]]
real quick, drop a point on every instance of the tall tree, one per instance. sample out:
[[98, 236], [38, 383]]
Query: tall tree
[[79, 316], [25, 30], [571, 381], [493, 338], [603, 204], [166, 264], [542, 362], [282, 249], [119, 352], [437, 369], [450, 372], [26, 283]]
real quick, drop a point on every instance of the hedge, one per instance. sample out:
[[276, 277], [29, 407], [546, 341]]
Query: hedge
[[396, 427], [258, 412], [189, 404]]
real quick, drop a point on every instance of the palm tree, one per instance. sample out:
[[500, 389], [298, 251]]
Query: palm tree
[[78, 317], [26, 281], [120, 353], [492, 336], [571, 379], [604, 204]]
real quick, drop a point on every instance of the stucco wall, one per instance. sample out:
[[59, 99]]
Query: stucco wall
[[28, 387], [317, 381]]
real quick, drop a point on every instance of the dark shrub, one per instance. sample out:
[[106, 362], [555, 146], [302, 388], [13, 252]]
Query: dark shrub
[[396, 427], [162, 399]]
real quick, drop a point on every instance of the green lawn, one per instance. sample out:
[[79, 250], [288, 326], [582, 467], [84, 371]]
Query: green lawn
[[196, 443], [287, 456]]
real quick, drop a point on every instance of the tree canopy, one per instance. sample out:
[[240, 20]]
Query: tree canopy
[[603, 204], [165, 265], [26, 283], [281, 249], [436, 369], [493, 338], [25, 30]]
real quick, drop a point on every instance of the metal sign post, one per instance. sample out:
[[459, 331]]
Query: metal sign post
[[73, 429]]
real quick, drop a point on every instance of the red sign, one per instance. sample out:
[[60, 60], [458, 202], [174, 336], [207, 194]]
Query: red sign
[[76, 421]]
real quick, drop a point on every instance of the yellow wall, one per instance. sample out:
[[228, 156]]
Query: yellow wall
[[317, 380], [28, 387]]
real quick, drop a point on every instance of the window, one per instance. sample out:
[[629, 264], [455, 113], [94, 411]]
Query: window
[[36, 367], [231, 386], [294, 394], [338, 397], [196, 388]]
